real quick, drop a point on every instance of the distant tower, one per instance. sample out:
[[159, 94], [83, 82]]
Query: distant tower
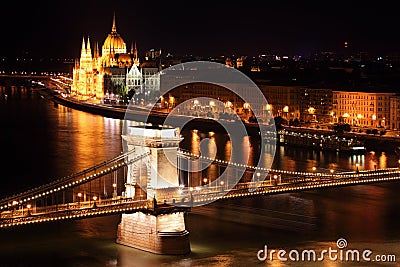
[[228, 62], [134, 52], [96, 57], [86, 56], [114, 26], [239, 62], [96, 53]]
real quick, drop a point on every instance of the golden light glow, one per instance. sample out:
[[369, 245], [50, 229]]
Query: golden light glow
[[311, 110], [90, 72], [228, 104], [173, 222], [286, 109]]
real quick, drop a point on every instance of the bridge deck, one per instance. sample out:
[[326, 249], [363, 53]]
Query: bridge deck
[[184, 197]]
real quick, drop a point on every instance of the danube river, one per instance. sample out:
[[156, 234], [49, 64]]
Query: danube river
[[41, 142]]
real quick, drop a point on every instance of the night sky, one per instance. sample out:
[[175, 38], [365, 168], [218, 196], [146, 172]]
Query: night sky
[[55, 28]]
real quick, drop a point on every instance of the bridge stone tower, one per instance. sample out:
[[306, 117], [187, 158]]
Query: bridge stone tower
[[161, 230]]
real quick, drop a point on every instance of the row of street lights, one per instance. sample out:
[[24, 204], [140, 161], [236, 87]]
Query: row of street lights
[[15, 203]]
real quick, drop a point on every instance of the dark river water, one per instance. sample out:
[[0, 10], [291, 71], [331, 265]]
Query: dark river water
[[41, 142]]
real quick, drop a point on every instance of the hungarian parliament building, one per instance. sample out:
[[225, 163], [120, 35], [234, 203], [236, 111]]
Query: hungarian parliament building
[[113, 72]]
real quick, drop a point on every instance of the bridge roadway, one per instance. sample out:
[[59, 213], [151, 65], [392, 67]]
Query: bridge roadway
[[72, 211], [195, 196]]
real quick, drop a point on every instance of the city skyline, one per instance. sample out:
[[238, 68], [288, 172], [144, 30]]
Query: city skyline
[[199, 133], [43, 29]]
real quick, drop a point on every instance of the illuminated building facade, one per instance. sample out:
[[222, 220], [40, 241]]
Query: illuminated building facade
[[113, 72], [297, 102], [319, 105], [289, 102], [395, 112], [201, 97], [283, 101], [362, 108]]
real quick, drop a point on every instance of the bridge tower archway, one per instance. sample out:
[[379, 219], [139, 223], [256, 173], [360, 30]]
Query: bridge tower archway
[[162, 230]]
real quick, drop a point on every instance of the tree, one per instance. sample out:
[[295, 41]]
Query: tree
[[253, 119], [279, 122], [131, 93], [294, 122], [341, 128], [121, 89]]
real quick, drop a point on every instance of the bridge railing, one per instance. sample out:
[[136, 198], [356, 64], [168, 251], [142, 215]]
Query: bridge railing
[[191, 195], [49, 211], [68, 182]]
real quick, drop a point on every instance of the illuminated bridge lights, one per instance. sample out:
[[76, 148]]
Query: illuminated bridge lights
[[328, 181]]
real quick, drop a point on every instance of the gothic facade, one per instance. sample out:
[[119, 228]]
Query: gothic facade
[[113, 72]]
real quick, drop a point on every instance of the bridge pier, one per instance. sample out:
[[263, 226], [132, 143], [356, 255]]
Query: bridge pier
[[161, 230], [163, 233]]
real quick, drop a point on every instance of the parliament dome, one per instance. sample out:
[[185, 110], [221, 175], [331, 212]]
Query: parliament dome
[[114, 44]]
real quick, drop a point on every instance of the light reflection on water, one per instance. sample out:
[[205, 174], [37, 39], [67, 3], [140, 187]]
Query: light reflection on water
[[57, 141]]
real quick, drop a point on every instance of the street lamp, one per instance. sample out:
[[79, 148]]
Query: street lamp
[[114, 185], [222, 185], [258, 176], [357, 165], [29, 209], [373, 120], [275, 179], [14, 203], [314, 170], [94, 201], [205, 181], [79, 199], [332, 172]]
